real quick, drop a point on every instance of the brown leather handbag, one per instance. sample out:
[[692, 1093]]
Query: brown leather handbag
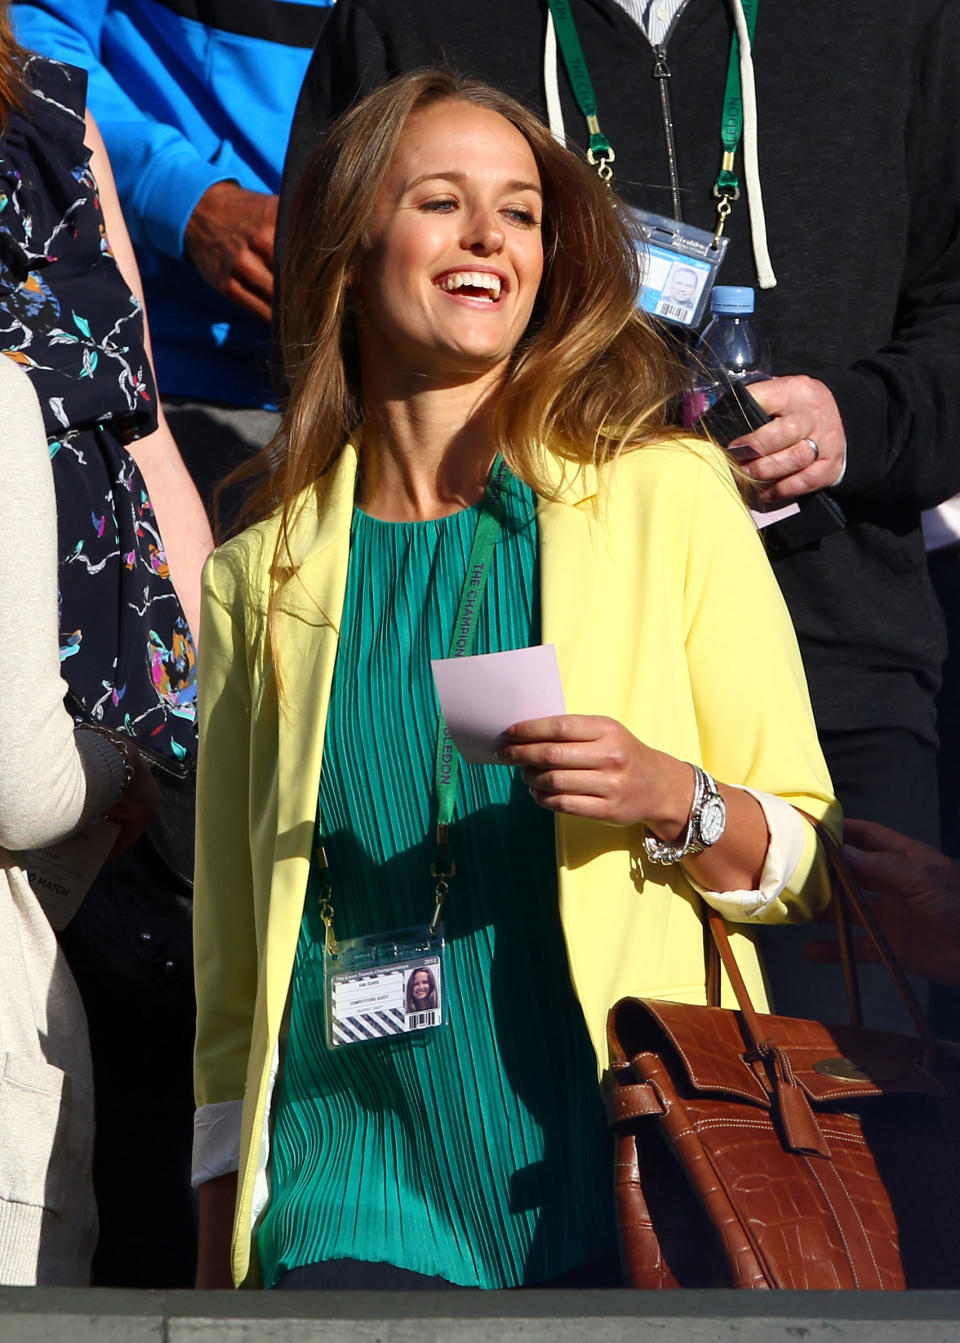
[[765, 1151]]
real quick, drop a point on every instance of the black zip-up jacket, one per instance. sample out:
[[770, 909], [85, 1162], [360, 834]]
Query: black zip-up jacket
[[859, 116]]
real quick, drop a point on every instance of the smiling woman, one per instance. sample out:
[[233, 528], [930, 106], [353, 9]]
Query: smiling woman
[[451, 271], [454, 256], [421, 991], [475, 451], [584, 336]]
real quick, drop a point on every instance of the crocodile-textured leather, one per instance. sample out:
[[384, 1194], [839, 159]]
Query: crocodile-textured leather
[[749, 1167]]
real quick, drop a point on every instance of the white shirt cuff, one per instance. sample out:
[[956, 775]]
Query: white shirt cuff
[[216, 1140], [784, 851]]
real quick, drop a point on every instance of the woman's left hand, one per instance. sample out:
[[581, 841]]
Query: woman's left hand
[[586, 765]]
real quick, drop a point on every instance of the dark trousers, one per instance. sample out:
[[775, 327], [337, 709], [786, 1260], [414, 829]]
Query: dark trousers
[[129, 948], [887, 775], [944, 566], [214, 440]]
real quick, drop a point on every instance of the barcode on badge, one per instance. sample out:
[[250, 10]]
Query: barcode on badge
[[674, 311], [417, 1020]]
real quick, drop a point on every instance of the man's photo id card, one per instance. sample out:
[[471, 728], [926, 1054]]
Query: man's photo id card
[[385, 985], [678, 265]]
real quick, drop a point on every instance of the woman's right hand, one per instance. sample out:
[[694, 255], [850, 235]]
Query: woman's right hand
[[135, 807]]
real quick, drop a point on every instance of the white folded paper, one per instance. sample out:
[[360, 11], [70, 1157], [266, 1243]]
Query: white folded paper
[[482, 696]]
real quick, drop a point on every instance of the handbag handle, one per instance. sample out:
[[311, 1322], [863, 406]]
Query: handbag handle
[[848, 898]]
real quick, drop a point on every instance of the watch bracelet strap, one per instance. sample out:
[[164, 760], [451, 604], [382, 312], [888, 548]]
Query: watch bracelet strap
[[688, 845]]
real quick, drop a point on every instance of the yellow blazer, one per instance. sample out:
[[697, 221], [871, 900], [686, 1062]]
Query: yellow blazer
[[665, 615]]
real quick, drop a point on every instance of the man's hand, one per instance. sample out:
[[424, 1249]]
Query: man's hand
[[134, 809], [230, 240], [803, 413], [917, 904]]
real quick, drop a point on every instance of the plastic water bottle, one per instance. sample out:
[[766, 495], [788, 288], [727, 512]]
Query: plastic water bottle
[[729, 356], [731, 352]]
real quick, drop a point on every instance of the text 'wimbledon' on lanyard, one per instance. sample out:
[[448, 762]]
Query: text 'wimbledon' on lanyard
[[384, 985], [680, 262], [599, 149], [726, 189]]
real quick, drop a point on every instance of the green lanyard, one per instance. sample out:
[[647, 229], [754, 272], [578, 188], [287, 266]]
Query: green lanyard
[[727, 186], [447, 767], [599, 149], [600, 152]]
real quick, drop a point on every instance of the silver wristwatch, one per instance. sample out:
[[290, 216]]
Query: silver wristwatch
[[707, 822]]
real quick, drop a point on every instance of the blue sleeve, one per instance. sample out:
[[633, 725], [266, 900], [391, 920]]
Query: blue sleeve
[[160, 175]]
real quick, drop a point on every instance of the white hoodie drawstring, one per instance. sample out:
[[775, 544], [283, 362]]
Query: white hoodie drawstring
[[550, 84], [751, 161]]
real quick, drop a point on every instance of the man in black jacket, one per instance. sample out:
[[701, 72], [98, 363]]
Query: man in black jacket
[[859, 163]]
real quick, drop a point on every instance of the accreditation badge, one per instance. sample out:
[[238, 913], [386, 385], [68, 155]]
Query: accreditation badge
[[678, 266], [384, 985]]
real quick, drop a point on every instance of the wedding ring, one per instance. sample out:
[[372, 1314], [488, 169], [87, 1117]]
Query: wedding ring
[[813, 444]]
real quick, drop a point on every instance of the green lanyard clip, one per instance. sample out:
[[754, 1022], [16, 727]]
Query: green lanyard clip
[[600, 151]]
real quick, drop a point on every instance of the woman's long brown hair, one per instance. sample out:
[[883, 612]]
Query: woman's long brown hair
[[589, 379], [11, 65]]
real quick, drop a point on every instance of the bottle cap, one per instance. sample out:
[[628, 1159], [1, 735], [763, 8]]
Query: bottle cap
[[731, 298]]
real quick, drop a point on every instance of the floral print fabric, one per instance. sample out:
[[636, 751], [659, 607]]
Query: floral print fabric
[[70, 321]]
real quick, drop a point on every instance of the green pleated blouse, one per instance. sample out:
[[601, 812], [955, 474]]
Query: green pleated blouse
[[476, 1152]]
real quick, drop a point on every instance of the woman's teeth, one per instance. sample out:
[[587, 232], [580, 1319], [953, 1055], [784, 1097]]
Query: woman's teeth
[[483, 280]]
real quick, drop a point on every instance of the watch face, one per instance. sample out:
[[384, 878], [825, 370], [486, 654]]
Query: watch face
[[712, 820]]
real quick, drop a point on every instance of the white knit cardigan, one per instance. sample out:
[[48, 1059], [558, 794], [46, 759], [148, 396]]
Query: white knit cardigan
[[51, 782]]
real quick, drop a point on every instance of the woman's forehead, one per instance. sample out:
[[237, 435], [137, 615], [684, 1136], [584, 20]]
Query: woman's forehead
[[453, 134]]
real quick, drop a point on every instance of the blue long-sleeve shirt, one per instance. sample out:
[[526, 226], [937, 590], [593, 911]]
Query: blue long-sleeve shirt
[[183, 104]]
